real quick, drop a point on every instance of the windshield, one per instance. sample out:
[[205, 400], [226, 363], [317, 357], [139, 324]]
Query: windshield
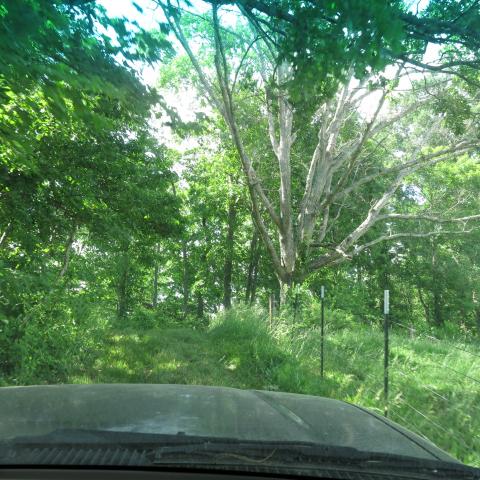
[[241, 222]]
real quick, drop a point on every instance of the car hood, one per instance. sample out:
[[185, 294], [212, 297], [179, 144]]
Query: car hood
[[207, 412]]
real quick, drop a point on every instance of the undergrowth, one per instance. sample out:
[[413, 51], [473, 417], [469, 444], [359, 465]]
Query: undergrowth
[[434, 387]]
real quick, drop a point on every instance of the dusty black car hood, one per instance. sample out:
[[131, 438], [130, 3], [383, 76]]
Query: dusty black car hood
[[205, 411]]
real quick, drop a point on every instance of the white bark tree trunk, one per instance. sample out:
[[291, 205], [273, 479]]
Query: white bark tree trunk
[[333, 169]]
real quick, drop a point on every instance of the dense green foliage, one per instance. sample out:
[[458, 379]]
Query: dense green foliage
[[241, 349], [80, 173], [136, 246]]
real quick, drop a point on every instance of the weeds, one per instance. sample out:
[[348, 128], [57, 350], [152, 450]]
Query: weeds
[[431, 391]]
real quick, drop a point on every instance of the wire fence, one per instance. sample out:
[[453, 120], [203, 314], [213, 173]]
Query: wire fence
[[447, 416]]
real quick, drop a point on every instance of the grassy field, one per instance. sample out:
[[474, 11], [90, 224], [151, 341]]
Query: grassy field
[[434, 387]]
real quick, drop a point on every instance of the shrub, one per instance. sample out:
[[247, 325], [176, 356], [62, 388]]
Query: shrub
[[143, 319], [53, 339]]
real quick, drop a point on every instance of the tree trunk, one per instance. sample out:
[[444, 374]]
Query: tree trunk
[[333, 165], [122, 284], [200, 305], [282, 149], [201, 277], [5, 233], [253, 292], [155, 287], [285, 287], [186, 280], [68, 250], [436, 290], [252, 266], [229, 248], [155, 279], [437, 307], [425, 306]]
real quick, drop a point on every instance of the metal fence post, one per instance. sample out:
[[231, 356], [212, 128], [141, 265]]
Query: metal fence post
[[386, 311], [322, 327]]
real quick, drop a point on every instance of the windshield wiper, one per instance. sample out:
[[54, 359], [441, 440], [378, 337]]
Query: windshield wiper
[[304, 456], [180, 450]]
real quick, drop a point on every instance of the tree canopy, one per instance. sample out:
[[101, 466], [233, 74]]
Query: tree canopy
[[286, 145]]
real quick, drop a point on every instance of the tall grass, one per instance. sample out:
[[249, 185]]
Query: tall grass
[[434, 388]]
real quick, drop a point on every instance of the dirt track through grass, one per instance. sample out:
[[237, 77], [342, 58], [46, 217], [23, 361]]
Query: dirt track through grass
[[426, 395]]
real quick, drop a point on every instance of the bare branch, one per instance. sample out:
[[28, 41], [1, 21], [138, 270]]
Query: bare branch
[[285, 122], [395, 236], [372, 215], [374, 211], [271, 125], [424, 160], [229, 116], [5, 233], [251, 44], [257, 28], [443, 66], [262, 230], [332, 258], [395, 118], [177, 30], [322, 166], [429, 218]]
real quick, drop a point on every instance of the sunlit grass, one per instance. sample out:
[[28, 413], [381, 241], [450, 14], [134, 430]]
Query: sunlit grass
[[430, 392]]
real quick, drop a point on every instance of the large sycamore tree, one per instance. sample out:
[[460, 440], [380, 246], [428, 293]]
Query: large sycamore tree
[[325, 77]]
